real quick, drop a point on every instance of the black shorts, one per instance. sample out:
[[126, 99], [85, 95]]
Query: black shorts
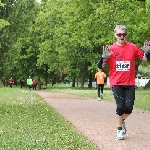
[[124, 93]]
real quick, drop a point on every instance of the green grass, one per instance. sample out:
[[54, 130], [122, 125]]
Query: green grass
[[28, 123]]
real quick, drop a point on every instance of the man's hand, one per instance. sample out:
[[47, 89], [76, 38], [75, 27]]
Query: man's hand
[[146, 46], [106, 52], [144, 58]]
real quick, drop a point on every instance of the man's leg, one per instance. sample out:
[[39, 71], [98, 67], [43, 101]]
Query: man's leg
[[124, 130], [125, 116], [102, 87], [119, 121], [98, 91], [119, 97], [129, 94]]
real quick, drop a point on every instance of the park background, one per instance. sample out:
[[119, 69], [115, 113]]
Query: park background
[[60, 41]]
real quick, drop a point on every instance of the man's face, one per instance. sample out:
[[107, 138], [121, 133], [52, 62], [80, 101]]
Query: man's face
[[120, 36]]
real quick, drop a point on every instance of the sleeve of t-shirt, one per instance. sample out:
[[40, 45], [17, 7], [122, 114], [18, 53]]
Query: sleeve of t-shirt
[[139, 52]]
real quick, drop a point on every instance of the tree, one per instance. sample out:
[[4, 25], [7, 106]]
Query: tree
[[20, 61], [3, 45]]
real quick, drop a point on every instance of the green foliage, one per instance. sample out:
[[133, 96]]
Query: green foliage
[[3, 23], [27, 122], [15, 39], [148, 7], [67, 34]]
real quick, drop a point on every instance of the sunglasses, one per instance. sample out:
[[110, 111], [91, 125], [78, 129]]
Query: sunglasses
[[121, 34]]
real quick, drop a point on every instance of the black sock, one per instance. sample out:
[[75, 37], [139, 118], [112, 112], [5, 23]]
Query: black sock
[[123, 120], [119, 128]]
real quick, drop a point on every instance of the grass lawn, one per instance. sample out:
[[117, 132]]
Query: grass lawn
[[28, 123]]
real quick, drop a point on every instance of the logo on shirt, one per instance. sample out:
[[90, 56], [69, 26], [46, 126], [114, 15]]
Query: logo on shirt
[[122, 65]]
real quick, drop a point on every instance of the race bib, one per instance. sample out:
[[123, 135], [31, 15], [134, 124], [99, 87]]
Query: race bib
[[122, 65]]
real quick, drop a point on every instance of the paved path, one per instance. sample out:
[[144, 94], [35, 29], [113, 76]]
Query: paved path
[[96, 120]]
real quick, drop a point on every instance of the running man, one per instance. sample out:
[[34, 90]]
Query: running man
[[120, 57], [100, 79]]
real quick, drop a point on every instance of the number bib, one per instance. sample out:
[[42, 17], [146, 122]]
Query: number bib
[[122, 65]]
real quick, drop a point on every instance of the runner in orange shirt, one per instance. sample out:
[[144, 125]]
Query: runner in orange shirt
[[100, 79]]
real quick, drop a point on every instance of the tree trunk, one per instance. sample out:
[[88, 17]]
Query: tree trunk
[[82, 82], [90, 81], [73, 82], [83, 75], [77, 82], [1, 82]]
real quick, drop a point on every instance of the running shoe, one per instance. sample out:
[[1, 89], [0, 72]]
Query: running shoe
[[120, 135], [99, 99]]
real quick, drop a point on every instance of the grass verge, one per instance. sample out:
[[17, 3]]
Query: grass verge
[[28, 123]]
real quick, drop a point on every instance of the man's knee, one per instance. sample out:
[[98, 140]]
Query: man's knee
[[129, 106], [128, 110], [120, 111]]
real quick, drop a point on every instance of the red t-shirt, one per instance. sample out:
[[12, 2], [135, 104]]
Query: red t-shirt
[[122, 63], [34, 82], [11, 81]]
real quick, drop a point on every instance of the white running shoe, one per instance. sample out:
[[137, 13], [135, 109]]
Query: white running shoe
[[120, 135], [123, 127], [99, 99]]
